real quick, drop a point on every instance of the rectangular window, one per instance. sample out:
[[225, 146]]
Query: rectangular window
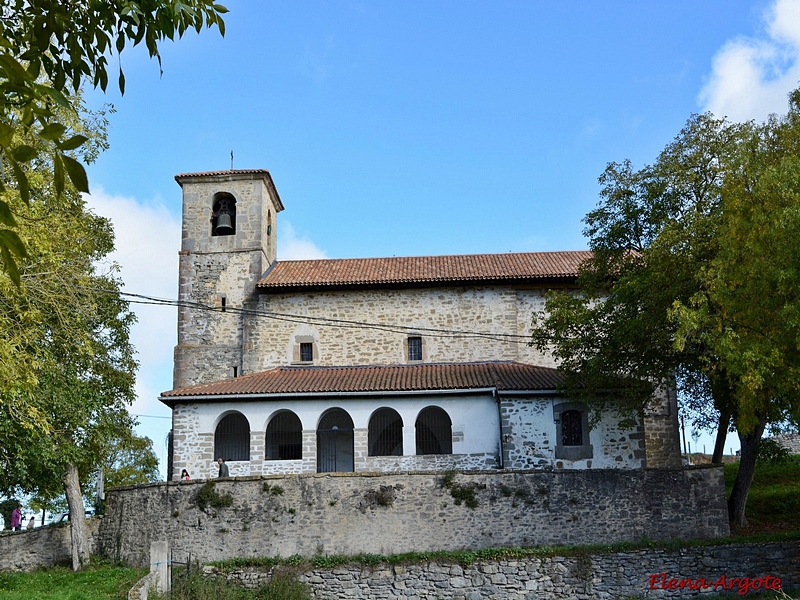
[[306, 352], [414, 349]]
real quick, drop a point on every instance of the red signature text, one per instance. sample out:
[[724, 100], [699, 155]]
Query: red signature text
[[743, 585]]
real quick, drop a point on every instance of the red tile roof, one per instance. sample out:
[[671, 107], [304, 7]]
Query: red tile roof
[[504, 376], [236, 174], [232, 172], [417, 271]]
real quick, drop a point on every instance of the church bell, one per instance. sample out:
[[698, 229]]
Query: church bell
[[224, 224]]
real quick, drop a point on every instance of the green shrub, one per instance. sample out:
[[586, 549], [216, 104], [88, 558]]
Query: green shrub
[[208, 496], [192, 585], [771, 452], [283, 586]]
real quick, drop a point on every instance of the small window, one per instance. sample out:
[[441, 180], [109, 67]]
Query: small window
[[571, 428], [572, 431], [306, 352], [414, 349]]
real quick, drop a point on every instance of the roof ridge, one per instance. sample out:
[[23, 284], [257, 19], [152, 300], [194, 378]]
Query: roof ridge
[[416, 256]]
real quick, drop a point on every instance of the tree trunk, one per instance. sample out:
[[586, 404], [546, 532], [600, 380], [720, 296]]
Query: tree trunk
[[77, 520], [722, 433], [747, 466]]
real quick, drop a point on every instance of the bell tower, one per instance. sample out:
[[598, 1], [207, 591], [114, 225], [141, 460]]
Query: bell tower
[[228, 240]]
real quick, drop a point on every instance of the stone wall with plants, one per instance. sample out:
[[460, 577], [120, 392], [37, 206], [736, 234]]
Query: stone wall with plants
[[735, 569], [328, 514]]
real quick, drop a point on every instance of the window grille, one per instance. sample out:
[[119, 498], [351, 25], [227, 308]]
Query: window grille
[[306, 352], [284, 437], [414, 349], [335, 442], [385, 433], [232, 438], [434, 431], [571, 428]]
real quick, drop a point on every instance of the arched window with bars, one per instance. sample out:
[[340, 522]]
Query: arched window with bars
[[284, 439], [385, 433], [232, 438], [434, 431], [335, 451], [572, 431]]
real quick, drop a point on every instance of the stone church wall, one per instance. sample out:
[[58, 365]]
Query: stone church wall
[[499, 311], [395, 513]]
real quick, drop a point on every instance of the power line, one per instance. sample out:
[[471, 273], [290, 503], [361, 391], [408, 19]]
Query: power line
[[149, 416], [134, 298]]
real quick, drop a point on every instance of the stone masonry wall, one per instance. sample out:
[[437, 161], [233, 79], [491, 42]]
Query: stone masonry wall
[[389, 514], [790, 441], [492, 310], [727, 568], [213, 268], [41, 547]]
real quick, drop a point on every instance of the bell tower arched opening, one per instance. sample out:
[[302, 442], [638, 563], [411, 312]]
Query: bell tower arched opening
[[223, 215]]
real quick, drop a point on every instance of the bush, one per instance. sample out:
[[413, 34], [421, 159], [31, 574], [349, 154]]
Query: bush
[[194, 586], [283, 586], [208, 496], [771, 452]]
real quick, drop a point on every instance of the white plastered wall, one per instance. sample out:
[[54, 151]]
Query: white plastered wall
[[474, 417]]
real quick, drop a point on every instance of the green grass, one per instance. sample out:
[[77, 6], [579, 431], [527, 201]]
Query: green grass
[[773, 504], [101, 582]]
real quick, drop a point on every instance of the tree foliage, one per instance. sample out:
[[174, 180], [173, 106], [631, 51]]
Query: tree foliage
[[66, 363], [130, 460], [48, 50], [695, 275]]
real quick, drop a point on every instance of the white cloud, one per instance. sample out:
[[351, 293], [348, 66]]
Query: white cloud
[[751, 77], [147, 243], [291, 246]]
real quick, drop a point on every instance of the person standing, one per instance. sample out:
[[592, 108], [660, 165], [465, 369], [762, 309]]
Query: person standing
[[223, 468], [16, 518], [31, 523]]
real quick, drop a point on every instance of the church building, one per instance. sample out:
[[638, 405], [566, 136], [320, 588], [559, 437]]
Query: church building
[[417, 363]]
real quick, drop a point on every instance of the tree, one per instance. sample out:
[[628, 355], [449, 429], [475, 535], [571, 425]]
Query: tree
[[66, 364], [48, 50], [69, 328], [682, 279], [130, 460], [749, 310]]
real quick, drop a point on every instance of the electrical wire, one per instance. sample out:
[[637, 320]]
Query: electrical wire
[[142, 299]]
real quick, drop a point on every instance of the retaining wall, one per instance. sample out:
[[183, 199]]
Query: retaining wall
[[337, 513], [41, 547], [733, 568]]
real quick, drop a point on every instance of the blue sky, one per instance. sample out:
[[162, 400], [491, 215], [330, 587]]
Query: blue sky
[[418, 128]]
